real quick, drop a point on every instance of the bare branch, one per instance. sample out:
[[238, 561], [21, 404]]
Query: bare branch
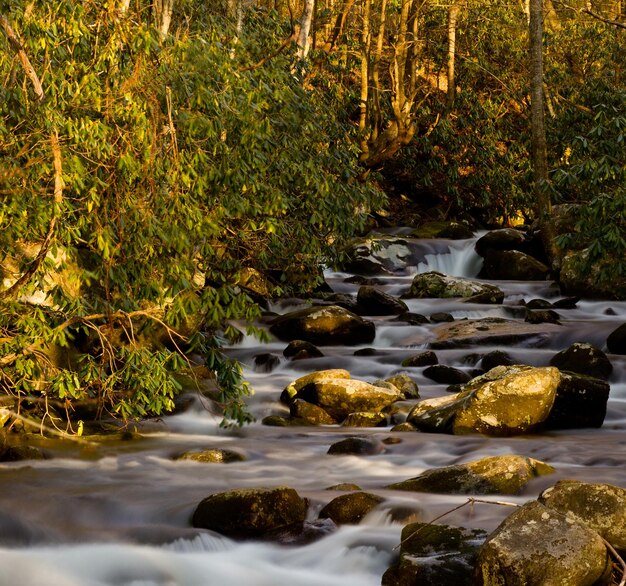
[[17, 46]]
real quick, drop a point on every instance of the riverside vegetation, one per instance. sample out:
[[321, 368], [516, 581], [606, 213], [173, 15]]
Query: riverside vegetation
[[165, 179]]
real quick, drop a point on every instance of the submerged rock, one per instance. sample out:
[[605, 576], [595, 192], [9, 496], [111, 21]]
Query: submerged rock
[[324, 325], [214, 456], [435, 555], [491, 475], [298, 349], [251, 512], [363, 446], [425, 358], [538, 546], [448, 375], [437, 285]]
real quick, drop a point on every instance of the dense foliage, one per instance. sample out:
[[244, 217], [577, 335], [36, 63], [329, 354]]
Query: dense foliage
[[159, 169]]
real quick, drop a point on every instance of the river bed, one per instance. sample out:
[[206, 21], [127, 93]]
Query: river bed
[[118, 514]]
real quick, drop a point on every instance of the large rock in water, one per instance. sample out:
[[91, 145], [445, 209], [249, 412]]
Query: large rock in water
[[435, 555], [538, 546], [325, 326], [372, 301], [601, 507], [251, 512], [491, 475], [350, 508], [507, 400], [380, 255], [503, 239], [437, 285], [584, 359], [512, 265], [339, 397], [616, 340]]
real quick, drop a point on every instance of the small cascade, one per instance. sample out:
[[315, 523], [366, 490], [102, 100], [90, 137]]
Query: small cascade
[[461, 260]]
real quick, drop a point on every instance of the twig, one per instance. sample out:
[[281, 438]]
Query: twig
[[618, 559], [42, 427], [288, 41], [469, 501]]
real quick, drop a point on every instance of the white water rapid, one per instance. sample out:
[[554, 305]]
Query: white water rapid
[[117, 514]]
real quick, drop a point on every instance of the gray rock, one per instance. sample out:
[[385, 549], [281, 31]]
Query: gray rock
[[379, 255], [437, 285], [538, 546], [363, 446]]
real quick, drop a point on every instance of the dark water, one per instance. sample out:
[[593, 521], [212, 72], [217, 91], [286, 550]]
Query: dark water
[[119, 514]]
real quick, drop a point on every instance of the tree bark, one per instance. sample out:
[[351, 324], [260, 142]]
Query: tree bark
[[453, 13], [163, 15], [304, 41]]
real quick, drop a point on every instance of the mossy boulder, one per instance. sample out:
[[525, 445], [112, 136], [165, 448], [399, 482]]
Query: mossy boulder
[[512, 265], [251, 512], [491, 475], [601, 507], [324, 325], [339, 396], [313, 414], [380, 255], [405, 384], [584, 359], [538, 546], [507, 400], [434, 555], [367, 419], [502, 239], [349, 509], [291, 390], [437, 285]]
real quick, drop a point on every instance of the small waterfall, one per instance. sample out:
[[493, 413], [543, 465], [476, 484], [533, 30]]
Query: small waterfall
[[461, 260]]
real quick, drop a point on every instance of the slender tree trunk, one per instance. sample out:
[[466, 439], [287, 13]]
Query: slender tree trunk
[[376, 86], [453, 13], [163, 15], [304, 41], [538, 147], [365, 77], [124, 6], [340, 25]]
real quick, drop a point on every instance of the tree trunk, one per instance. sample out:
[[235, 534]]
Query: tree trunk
[[365, 78], [538, 147], [304, 42], [453, 13], [163, 15]]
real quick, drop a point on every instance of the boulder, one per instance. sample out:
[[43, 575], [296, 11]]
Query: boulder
[[298, 349], [538, 546], [491, 475], [437, 285], [542, 316], [578, 278], [507, 400], [405, 384], [312, 414], [339, 397], [503, 239], [601, 507], [251, 512], [495, 358], [213, 456], [367, 419], [380, 255], [447, 375], [583, 359], [413, 319], [291, 390], [512, 265], [434, 555], [349, 509], [455, 231], [324, 325], [580, 402], [361, 446], [425, 358], [373, 301], [616, 340]]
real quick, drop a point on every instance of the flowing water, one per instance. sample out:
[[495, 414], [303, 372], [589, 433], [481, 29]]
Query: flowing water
[[118, 514]]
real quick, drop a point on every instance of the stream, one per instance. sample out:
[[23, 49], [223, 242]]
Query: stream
[[118, 514]]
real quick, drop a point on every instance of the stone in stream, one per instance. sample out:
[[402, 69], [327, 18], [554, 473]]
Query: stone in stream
[[372, 301], [437, 285], [266, 362], [584, 359], [291, 390], [507, 400], [365, 419], [491, 475], [503, 239], [349, 509], [325, 325], [447, 375], [435, 555], [616, 340], [425, 358], [405, 384], [251, 512], [380, 255], [339, 396], [538, 546], [362, 446], [495, 358], [213, 456], [601, 507], [512, 265], [312, 414], [298, 349]]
